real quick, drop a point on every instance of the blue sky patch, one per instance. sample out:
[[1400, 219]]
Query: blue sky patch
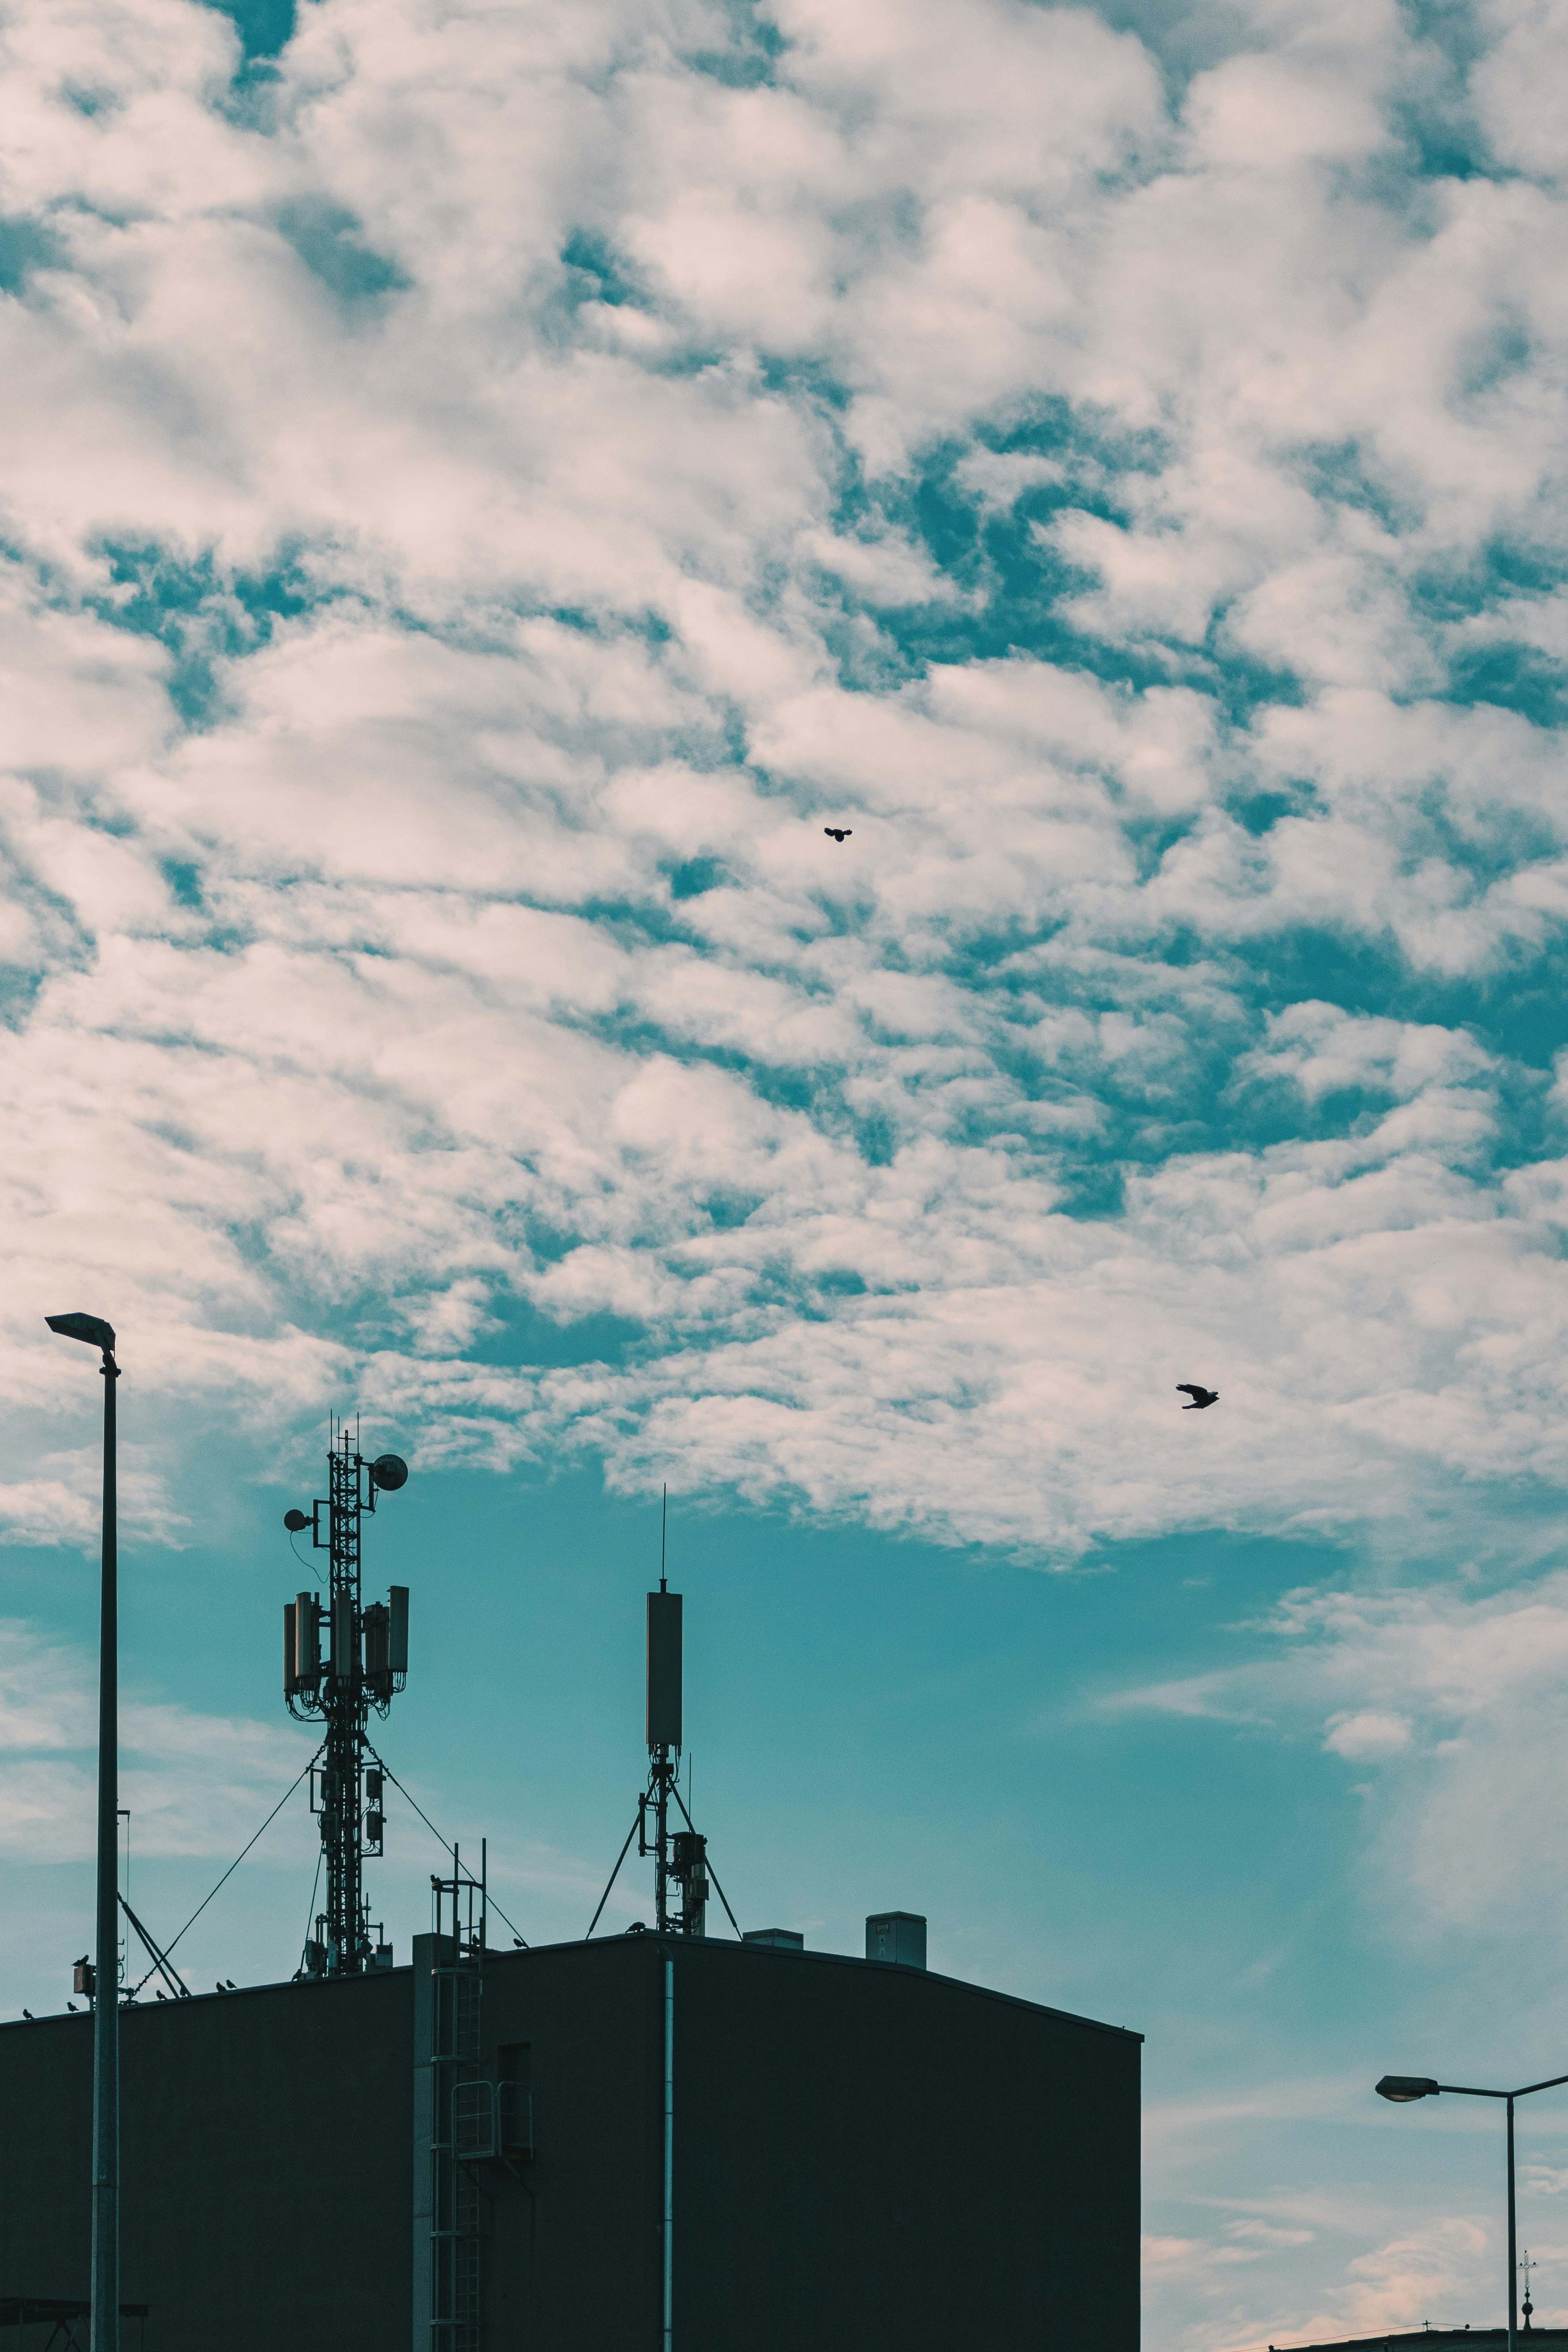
[[266, 27], [202, 614], [596, 272], [25, 246], [330, 241], [749, 58]]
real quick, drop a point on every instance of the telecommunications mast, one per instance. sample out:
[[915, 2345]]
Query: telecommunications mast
[[682, 1873], [680, 1856], [363, 1662]]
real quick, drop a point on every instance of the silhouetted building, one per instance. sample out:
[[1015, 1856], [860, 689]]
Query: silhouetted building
[[642, 2144], [1426, 2336]]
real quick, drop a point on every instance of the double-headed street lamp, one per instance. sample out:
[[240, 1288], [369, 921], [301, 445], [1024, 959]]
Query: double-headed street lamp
[[105, 2321], [1402, 2088]]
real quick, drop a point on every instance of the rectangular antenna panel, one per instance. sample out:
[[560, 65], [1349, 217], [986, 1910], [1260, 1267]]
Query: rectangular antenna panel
[[307, 1639], [397, 1599], [342, 1636], [290, 1672], [664, 1670], [375, 1623]]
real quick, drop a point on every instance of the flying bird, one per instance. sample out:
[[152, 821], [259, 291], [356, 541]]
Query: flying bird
[[1200, 1397], [838, 832]]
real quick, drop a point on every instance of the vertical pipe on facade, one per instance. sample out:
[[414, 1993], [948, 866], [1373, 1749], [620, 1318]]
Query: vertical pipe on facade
[[666, 2336]]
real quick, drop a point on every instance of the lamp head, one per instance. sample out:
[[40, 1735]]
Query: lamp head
[[90, 1327], [295, 1520], [1402, 2088], [389, 1471]]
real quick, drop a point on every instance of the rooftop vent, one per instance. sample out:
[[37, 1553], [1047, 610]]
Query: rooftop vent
[[781, 1939], [897, 1935]]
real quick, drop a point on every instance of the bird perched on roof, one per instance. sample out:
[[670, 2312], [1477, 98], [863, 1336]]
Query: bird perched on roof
[[838, 832], [72, 2007], [28, 2015], [229, 1985], [1200, 1397]]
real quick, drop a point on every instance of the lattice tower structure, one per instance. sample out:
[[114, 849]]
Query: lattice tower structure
[[364, 1666], [347, 1705]]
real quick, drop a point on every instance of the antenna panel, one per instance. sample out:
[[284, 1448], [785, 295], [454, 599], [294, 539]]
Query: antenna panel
[[664, 1669], [343, 1644], [376, 1623], [307, 1640], [397, 1601]]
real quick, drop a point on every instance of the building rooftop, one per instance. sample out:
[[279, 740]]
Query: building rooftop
[[1395, 2339]]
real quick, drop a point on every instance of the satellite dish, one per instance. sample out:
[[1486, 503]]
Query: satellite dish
[[295, 1520], [389, 1471]]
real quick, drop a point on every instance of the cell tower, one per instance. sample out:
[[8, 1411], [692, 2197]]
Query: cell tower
[[364, 1665], [683, 1873], [680, 1856]]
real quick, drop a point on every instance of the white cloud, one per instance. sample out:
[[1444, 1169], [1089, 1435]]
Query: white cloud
[[1366, 1733], [481, 943], [1270, 2233], [1457, 1702], [195, 1784], [1000, 479]]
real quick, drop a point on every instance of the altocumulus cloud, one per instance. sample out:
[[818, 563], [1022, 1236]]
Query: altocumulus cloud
[[483, 487], [1449, 1706]]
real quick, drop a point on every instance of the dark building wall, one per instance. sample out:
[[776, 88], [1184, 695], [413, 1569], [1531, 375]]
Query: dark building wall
[[940, 2166], [571, 2254], [249, 2120], [46, 2146], [864, 2154]]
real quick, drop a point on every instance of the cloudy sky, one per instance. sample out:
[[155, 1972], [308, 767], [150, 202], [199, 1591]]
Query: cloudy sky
[[483, 483]]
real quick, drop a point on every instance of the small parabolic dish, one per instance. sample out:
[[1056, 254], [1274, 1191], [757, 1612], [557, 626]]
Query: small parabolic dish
[[389, 1471]]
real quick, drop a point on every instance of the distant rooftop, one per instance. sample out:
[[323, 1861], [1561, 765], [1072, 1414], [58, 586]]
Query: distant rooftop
[[1396, 2339]]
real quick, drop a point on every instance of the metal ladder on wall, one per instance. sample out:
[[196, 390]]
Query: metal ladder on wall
[[457, 2322]]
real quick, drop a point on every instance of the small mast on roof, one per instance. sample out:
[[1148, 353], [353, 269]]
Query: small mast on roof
[[683, 1873]]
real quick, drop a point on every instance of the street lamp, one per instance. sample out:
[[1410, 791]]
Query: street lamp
[[105, 2321], [1404, 2088]]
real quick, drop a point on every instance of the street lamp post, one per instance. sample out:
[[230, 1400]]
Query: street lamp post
[[1404, 2088], [105, 2321]]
